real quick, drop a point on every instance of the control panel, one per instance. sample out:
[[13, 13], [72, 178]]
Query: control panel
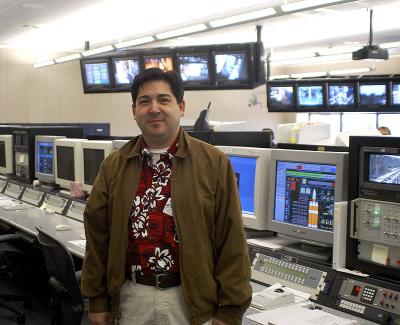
[[269, 270], [21, 163], [32, 196], [369, 300], [54, 203], [14, 190], [376, 225], [75, 210]]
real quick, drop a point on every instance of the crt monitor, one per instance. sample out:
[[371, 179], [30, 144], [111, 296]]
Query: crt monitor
[[395, 93], [6, 154], [373, 94], [194, 68], [251, 169], [96, 74], [93, 153], [342, 94], [68, 161], [303, 190], [125, 69], [161, 61], [231, 67], [44, 157], [118, 144], [310, 95], [281, 96]]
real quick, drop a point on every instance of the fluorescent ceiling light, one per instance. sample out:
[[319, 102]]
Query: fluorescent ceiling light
[[280, 76], [243, 17], [71, 57], [390, 45], [43, 64], [137, 41], [182, 31], [305, 4], [309, 74], [349, 71], [103, 49]]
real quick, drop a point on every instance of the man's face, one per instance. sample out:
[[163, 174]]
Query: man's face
[[157, 113]]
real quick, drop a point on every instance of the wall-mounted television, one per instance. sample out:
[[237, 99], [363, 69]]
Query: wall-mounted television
[[125, 69], [162, 61], [395, 93], [232, 65], [281, 97], [341, 94], [373, 94], [311, 95], [96, 75], [194, 68]]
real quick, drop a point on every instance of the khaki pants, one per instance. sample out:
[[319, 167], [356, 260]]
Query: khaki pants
[[146, 305]]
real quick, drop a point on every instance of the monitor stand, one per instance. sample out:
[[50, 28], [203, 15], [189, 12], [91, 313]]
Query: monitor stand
[[310, 251]]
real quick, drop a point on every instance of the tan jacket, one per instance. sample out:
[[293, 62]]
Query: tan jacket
[[214, 262]]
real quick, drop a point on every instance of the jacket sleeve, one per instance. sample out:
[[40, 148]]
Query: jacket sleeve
[[94, 269], [232, 271]]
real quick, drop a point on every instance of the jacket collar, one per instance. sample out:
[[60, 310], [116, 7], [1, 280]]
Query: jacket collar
[[132, 148]]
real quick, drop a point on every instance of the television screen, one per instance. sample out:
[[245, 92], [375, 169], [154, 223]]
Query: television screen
[[92, 159], [305, 194], [372, 94], [231, 66], [245, 172], [164, 62], [341, 95], [125, 70], [384, 169], [311, 95], [97, 74], [194, 67], [65, 163], [44, 159], [396, 94], [2, 154], [281, 96]]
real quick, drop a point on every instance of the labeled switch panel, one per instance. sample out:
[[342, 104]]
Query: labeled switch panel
[[14, 190], [75, 210], [32, 196], [54, 203]]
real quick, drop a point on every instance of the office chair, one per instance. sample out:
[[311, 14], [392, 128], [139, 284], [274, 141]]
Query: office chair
[[67, 302], [7, 253]]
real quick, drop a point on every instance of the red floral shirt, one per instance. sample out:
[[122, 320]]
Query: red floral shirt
[[153, 244]]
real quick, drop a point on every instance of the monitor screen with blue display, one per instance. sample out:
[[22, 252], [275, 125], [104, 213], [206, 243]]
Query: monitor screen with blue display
[[372, 94], [231, 66], [341, 95], [125, 70], [396, 94], [311, 95], [194, 67], [245, 172], [384, 168], [281, 96], [97, 74], [44, 161]]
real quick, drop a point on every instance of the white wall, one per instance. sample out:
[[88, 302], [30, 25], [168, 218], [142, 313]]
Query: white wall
[[55, 94]]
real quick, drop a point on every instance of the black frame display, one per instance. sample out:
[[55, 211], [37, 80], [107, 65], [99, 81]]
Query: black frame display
[[359, 104], [130, 75], [92, 86]]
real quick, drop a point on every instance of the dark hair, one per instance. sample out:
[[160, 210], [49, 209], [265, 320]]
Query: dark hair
[[151, 74]]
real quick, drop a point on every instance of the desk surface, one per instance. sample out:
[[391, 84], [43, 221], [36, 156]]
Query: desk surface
[[28, 219]]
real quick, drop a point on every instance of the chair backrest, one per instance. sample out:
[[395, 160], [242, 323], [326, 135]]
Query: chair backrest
[[60, 266]]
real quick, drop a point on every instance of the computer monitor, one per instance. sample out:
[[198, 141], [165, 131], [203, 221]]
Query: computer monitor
[[281, 97], [251, 169], [44, 157], [68, 161], [94, 153], [125, 69], [373, 94], [341, 94], [194, 69], [6, 154], [311, 95], [161, 61], [96, 75], [232, 66], [395, 93], [303, 190], [257, 139]]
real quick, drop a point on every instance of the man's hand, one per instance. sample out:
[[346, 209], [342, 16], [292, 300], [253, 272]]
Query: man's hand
[[217, 322], [100, 318]]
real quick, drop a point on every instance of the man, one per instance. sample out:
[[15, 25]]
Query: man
[[164, 234]]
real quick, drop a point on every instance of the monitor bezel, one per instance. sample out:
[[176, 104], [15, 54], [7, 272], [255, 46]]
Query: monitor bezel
[[118, 86], [342, 108], [48, 178], [312, 108], [259, 220], [105, 145], [281, 108], [393, 82], [303, 234], [88, 88], [8, 154], [373, 107]]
